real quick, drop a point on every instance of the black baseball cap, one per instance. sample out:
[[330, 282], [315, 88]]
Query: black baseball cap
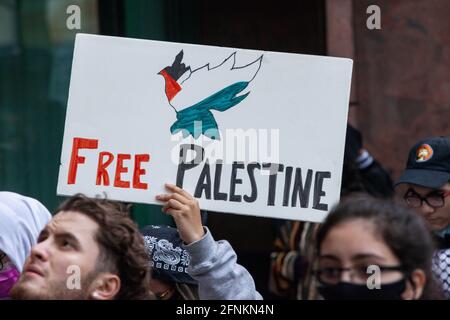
[[428, 163]]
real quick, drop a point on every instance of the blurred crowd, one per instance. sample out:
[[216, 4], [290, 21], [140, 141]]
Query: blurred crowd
[[384, 240]]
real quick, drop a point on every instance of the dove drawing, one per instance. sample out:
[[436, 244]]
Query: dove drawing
[[194, 93]]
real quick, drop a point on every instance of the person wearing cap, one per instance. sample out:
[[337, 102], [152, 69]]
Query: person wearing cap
[[213, 264], [425, 186], [169, 262]]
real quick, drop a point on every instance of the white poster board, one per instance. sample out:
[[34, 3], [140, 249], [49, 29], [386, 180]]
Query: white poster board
[[247, 132]]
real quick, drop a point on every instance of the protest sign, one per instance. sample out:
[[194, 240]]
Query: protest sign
[[248, 132]]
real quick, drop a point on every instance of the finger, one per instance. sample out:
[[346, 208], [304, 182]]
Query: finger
[[173, 212], [178, 190], [175, 204], [165, 208], [162, 197], [176, 196]]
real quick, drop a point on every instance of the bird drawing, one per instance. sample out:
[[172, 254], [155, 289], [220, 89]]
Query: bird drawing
[[193, 93]]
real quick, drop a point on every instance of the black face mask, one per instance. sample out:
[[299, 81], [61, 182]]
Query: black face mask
[[350, 291]]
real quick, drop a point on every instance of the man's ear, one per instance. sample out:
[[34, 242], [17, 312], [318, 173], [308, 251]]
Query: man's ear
[[415, 285], [105, 287]]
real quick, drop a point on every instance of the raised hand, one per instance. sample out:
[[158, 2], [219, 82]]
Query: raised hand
[[185, 210]]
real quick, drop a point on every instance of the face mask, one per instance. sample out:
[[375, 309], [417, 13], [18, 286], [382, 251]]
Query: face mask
[[7, 279], [350, 291]]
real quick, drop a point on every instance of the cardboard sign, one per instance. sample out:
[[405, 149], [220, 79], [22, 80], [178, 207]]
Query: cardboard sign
[[248, 132]]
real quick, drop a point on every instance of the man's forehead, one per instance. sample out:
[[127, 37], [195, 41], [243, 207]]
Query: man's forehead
[[71, 221]]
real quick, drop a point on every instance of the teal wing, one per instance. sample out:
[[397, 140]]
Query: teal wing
[[196, 123], [225, 98], [198, 119]]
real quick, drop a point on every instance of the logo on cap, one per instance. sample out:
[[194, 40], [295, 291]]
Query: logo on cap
[[424, 153]]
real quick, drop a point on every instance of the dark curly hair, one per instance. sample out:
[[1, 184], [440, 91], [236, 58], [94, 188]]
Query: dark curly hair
[[122, 249], [403, 231]]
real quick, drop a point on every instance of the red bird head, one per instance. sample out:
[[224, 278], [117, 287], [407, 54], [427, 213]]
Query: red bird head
[[171, 74]]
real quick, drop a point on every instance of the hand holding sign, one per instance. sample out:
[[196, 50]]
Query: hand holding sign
[[185, 211]]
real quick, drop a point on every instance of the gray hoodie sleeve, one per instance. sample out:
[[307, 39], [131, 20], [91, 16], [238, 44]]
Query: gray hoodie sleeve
[[214, 265]]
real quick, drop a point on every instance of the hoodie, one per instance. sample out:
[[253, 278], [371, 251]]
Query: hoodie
[[214, 265], [21, 221]]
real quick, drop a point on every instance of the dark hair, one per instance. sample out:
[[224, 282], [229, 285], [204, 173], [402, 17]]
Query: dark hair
[[122, 249], [403, 231]]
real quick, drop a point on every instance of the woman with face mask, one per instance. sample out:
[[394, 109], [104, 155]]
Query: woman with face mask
[[21, 221], [374, 249]]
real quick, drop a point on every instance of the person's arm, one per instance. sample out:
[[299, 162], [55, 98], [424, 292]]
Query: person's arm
[[213, 263]]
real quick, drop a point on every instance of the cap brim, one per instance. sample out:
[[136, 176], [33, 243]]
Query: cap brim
[[173, 276], [425, 178]]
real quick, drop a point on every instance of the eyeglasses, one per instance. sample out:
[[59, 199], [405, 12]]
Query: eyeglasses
[[435, 199], [358, 275]]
